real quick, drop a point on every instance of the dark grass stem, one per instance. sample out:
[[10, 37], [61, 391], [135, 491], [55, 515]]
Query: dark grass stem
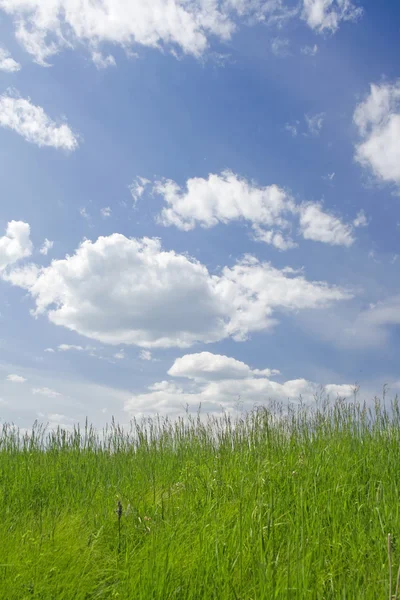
[[119, 514]]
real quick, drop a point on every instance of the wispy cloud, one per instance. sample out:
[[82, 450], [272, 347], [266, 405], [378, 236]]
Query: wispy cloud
[[45, 391], [315, 123], [105, 212], [32, 123], [310, 50], [145, 355]]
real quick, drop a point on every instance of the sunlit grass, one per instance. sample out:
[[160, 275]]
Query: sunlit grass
[[275, 504]]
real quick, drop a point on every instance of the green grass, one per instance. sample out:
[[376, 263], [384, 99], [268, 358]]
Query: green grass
[[267, 506]]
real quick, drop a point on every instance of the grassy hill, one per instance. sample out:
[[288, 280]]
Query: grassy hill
[[287, 504]]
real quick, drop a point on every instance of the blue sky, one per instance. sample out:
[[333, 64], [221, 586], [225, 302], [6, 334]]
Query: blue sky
[[220, 181]]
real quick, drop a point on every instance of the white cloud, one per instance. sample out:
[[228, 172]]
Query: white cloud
[[103, 62], [206, 366], [7, 63], [23, 277], [269, 11], [106, 212], [270, 210], [129, 291], [274, 238], [310, 50], [378, 123], [315, 123], [44, 28], [83, 212], [382, 314], [15, 245], [280, 46], [293, 129], [322, 15], [32, 123], [321, 226], [45, 391], [145, 355], [221, 199], [120, 355], [220, 382], [56, 420], [68, 347], [256, 290], [355, 326], [34, 40], [361, 219], [16, 379], [138, 187], [91, 350], [47, 245]]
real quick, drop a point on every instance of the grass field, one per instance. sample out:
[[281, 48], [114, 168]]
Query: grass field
[[276, 504]]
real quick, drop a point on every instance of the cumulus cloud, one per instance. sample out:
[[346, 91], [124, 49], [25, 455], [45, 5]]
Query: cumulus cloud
[[220, 382], [255, 291], [15, 245], [32, 123], [378, 121], [270, 210], [47, 245], [220, 199], [213, 367], [23, 277], [145, 355], [8, 64], [320, 226], [46, 28], [16, 379], [326, 15], [130, 291]]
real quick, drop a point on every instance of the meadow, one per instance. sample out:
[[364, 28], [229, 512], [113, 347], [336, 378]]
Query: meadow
[[287, 503]]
